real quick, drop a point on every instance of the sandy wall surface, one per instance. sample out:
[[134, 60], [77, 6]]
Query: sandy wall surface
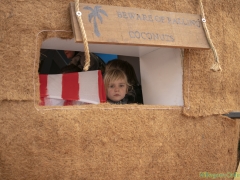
[[117, 142], [112, 144]]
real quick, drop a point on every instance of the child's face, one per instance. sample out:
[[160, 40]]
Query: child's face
[[117, 90]]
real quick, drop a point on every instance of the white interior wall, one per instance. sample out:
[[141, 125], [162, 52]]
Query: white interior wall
[[161, 77], [124, 50]]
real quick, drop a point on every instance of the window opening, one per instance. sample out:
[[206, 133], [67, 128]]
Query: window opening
[[158, 69]]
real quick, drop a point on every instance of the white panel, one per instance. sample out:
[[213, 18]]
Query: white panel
[[53, 102], [88, 91], [161, 77], [54, 86], [69, 44]]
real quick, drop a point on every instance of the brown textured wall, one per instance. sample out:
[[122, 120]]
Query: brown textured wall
[[131, 142], [205, 92], [112, 144]]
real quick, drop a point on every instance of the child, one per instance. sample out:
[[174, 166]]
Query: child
[[116, 86], [135, 94]]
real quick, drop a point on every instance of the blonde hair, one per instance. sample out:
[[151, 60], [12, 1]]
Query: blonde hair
[[126, 67], [113, 75]]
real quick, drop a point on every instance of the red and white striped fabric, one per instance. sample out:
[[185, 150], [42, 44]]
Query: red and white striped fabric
[[72, 88]]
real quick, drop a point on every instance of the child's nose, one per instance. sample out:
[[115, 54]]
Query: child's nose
[[116, 89]]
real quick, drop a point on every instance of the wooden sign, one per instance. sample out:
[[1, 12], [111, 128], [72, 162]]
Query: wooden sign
[[139, 27]]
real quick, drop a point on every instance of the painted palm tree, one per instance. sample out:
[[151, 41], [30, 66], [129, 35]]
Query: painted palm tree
[[95, 13]]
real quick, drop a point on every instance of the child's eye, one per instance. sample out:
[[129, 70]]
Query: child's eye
[[111, 86], [122, 85]]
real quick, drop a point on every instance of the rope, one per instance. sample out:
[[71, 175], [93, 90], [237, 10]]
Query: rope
[[84, 36], [216, 66]]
